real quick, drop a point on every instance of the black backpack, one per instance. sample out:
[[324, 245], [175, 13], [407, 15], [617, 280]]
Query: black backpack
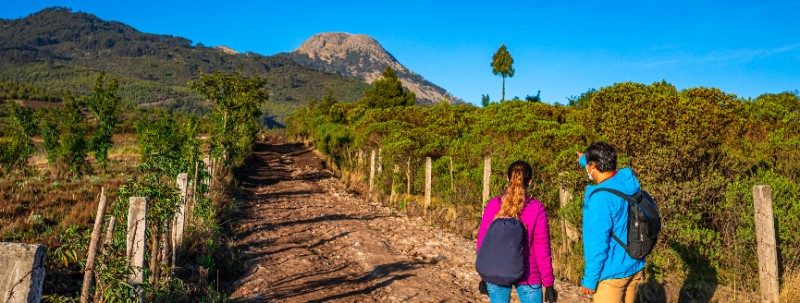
[[644, 223], [501, 259]]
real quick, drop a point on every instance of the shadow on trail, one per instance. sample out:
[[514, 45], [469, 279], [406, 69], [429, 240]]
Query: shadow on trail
[[701, 280], [345, 285], [319, 219]]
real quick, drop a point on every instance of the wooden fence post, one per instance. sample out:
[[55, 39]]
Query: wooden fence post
[[179, 220], [428, 181], [109, 239], [563, 196], [380, 160], [765, 238], [195, 186], [487, 176], [135, 244], [371, 172], [452, 175], [408, 176], [393, 195], [88, 272]]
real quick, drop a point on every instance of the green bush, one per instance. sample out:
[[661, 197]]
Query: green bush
[[64, 133]]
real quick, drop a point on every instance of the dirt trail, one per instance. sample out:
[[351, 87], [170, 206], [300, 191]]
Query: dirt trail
[[305, 238]]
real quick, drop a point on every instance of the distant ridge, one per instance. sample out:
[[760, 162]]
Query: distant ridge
[[361, 56], [59, 50]]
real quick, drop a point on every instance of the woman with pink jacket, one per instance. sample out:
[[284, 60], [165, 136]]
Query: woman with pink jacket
[[531, 212]]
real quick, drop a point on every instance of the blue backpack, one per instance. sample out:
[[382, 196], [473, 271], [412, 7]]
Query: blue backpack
[[501, 259]]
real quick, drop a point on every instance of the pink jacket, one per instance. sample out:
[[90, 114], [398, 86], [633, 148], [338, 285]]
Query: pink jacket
[[534, 217]]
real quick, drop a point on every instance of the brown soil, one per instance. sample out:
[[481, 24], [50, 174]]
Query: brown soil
[[306, 238]]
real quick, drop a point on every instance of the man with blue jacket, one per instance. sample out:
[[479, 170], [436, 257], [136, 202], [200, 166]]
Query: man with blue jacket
[[610, 274]]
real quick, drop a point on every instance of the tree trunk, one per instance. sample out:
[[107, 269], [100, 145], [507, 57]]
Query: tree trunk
[[503, 97]]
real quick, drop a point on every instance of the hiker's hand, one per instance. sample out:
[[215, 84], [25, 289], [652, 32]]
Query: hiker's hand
[[587, 291], [482, 287], [579, 155], [550, 294]]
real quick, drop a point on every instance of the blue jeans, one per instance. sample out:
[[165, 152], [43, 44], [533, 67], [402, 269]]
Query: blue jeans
[[526, 293]]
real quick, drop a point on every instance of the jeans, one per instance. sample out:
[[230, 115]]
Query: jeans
[[526, 293]]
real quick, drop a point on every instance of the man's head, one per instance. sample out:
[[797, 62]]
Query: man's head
[[602, 157]]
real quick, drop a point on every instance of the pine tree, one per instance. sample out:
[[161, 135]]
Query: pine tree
[[502, 64]]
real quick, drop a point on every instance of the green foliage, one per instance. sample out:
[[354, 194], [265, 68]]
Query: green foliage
[[388, 92], [64, 133], [485, 100], [104, 104], [16, 145], [503, 65], [236, 108], [697, 151], [167, 147]]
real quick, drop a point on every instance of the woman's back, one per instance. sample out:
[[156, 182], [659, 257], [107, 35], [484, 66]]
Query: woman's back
[[534, 217]]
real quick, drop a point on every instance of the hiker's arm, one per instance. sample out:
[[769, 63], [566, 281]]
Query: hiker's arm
[[541, 249], [597, 226]]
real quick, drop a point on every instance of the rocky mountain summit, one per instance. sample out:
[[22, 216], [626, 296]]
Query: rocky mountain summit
[[361, 56]]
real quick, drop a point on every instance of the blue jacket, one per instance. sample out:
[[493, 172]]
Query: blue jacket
[[603, 213]]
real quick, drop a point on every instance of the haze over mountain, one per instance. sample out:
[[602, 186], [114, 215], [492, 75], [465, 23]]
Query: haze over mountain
[[361, 56]]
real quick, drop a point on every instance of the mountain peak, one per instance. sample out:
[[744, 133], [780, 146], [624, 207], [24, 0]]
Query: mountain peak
[[361, 56], [332, 46]]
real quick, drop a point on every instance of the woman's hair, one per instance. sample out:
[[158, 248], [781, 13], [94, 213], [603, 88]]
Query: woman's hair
[[519, 174]]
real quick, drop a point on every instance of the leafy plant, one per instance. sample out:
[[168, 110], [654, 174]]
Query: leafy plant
[[104, 103]]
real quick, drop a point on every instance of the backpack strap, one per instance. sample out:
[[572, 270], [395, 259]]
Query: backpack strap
[[624, 197]]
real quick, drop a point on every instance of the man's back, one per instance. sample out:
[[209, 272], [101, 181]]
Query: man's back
[[604, 213]]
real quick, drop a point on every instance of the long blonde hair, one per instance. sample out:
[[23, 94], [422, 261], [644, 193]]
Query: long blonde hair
[[519, 176]]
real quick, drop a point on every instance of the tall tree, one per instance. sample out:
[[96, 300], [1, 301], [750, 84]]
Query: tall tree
[[388, 91], [236, 107], [502, 64], [104, 103]]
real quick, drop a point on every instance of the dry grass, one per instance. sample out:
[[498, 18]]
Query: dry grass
[[38, 207], [790, 290]]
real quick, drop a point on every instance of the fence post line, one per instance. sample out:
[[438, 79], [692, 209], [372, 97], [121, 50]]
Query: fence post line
[[135, 244], [765, 239], [487, 175], [88, 271], [428, 181]]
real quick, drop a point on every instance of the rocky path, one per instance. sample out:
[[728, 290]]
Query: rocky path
[[305, 238]]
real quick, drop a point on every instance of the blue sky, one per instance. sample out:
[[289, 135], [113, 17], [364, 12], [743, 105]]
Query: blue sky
[[743, 47]]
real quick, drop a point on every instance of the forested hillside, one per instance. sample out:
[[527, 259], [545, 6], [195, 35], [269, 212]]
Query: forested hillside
[[57, 51], [698, 151]]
